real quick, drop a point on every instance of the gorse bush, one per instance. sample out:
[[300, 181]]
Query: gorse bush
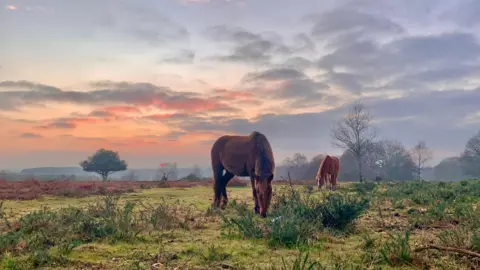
[[296, 217], [243, 220], [39, 231], [340, 210], [363, 188]]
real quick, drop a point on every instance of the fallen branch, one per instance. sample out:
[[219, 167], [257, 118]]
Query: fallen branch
[[451, 249]]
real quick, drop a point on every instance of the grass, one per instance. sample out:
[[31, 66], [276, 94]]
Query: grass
[[359, 226]]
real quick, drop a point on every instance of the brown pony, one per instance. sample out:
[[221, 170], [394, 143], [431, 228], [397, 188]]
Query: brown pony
[[329, 166], [244, 156]]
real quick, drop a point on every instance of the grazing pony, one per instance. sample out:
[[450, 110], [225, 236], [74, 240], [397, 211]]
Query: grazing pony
[[244, 156], [328, 167]]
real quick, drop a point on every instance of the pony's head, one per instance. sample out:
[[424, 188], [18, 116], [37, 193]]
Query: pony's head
[[263, 188]]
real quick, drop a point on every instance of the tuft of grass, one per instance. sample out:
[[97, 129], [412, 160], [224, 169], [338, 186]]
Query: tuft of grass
[[397, 251], [243, 220], [301, 262]]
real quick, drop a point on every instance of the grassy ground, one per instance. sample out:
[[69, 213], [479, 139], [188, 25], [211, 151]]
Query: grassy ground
[[200, 240]]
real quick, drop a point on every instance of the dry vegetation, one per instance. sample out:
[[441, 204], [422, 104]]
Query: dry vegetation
[[410, 225]]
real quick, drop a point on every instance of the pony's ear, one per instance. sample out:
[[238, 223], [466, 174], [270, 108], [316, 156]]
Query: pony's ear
[[270, 178]]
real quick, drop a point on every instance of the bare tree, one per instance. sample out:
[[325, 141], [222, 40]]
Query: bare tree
[[197, 171], [355, 134], [421, 154], [470, 158], [296, 165], [167, 171]]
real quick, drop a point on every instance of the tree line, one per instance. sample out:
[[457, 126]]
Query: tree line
[[364, 157]]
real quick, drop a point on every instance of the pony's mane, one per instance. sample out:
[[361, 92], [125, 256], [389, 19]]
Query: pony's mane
[[322, 164], [265, 160]]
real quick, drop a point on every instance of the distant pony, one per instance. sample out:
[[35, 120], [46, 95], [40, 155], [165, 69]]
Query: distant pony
[[244, 156], [328, 167]]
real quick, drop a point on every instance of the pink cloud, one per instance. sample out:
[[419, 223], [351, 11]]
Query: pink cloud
[[11, 7]]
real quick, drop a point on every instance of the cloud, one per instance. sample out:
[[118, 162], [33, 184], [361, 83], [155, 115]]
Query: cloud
[[436, 117], [290, 85], [147, 24], [59, 124], [23, 93], [30, 135], [10, 7], [344, 25], [371, 65], [464, 13], [256, 48], [183, 57]]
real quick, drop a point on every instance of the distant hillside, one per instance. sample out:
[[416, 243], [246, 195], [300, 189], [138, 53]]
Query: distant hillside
[[54, 170], [140, 174]]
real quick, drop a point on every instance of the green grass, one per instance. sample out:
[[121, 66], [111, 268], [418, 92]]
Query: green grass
[[361, 226]]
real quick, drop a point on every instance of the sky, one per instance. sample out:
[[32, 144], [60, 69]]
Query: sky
[[159, 81]]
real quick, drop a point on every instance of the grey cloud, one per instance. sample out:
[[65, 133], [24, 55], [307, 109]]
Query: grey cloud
[[296, 88], [108, 92], [60, 124], [347, 81], [436, 117], [464, 13], [147, 24], [260, 48], [405, 59], [30, 135], [182, 57], [297, 62], [345, 25], [274, 74]]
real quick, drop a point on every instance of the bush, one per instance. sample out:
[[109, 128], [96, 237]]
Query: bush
[[397, 251], [339, 210], [296, 217], [243, 221], [39, 231], [363, 188]]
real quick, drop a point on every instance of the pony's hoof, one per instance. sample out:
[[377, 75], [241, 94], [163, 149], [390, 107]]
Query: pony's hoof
[[264, 215], [255, 210]]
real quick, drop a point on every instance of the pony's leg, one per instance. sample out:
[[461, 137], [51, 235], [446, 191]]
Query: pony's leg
[[334, 181], [225, 179], [321, 181], [217, 184], [256, 208]]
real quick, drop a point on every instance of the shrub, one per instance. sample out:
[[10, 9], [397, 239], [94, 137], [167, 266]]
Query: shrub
[[243, 221], [296, 217], [476, 241], [363, 188], [397, 251], [67, 228], [460, 237]]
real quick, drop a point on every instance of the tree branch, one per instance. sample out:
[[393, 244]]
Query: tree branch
[[450, 249]]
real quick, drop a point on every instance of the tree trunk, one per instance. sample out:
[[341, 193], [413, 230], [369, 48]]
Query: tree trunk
[[359, 160], [104, 176], [419, 170]]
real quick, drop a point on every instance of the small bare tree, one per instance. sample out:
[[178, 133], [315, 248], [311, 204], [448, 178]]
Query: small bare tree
[[166, 171], [197, 171], [355, 134], [421, 154]]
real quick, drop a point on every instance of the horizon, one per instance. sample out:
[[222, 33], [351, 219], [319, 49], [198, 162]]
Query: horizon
[[160, 81]]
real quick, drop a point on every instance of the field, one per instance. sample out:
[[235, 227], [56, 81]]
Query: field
[[145, 225]]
